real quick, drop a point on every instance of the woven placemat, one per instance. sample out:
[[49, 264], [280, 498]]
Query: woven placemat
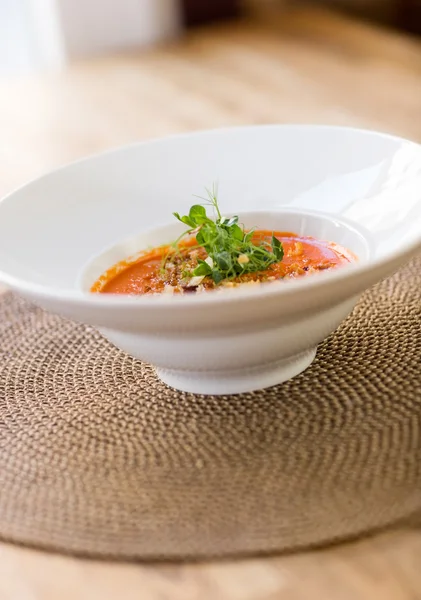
[[100, 458]]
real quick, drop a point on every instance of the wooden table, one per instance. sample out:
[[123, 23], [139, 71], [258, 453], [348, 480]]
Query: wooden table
[[303, 65]]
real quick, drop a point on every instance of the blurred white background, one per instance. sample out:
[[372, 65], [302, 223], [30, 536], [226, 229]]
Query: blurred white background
[[16, 48], [37, 34]]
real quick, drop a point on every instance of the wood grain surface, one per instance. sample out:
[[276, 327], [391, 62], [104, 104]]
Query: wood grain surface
[[303, 65], [386, 567]]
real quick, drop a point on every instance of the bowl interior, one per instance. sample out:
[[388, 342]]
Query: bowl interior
[[306, 223], [52, 227]]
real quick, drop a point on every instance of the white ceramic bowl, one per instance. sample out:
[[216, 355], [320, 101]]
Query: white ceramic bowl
[[357, 188]]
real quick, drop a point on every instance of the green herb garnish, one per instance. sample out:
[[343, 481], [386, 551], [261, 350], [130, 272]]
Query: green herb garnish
[[229, 247]]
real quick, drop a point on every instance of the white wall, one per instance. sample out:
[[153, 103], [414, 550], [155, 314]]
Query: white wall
[[95, 26], [38, 34], [16, 51]]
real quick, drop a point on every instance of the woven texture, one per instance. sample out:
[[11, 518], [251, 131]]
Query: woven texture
[[98, 457]]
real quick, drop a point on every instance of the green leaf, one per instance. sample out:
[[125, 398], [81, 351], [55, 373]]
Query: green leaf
[[197, 214], [186, 220], [217, 276], [236, 232], [202, 269], [200, 237], [223, 260], [277, 248], [229, 221], [206, 235]]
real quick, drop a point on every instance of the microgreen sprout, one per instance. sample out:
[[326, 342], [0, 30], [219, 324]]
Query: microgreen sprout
[[230, 248]]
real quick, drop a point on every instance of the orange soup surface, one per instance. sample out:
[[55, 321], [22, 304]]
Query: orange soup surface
[[146, 275]]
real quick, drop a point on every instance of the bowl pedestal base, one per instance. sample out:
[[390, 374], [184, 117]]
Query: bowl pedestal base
[[237, 381]]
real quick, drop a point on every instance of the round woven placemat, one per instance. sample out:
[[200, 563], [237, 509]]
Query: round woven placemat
[[100, 458]]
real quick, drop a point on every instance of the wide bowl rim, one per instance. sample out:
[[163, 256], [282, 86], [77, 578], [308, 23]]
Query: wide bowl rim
[[76, 296]]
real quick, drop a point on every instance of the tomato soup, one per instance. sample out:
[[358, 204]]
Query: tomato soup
[[168, 269]]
